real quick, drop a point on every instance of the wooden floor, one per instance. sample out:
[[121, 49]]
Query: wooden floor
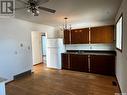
[[61, 82]]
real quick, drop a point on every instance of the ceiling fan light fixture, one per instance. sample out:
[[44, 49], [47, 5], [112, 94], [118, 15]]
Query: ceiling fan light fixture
[[33, 6], [37, 11], [29, 10]]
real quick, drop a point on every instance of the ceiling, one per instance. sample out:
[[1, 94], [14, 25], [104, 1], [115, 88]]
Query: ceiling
[[79, 12]]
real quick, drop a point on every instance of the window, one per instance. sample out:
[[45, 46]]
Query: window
[[119, 30]]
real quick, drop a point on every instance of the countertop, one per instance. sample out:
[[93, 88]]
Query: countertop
[[81, 52]]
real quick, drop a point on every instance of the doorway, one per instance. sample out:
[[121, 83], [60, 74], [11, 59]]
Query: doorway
[[36, 47], [39, 40], [43, 42]]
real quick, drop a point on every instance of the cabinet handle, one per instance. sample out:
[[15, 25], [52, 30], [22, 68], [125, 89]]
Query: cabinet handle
[[80, 30], [89, 63], [69, 64]]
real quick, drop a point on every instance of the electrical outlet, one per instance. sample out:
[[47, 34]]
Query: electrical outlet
[[90, 47]]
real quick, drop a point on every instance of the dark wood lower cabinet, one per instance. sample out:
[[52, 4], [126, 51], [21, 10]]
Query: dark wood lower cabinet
[[99, 64], [102, 64], [65, 63], [79, 62]]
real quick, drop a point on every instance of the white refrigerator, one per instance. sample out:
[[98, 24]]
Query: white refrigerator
[[54, 49]]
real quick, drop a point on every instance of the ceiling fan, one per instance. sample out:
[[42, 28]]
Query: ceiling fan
[[33, 6]]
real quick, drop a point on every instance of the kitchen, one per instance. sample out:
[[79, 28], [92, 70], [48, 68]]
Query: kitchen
[[93, 48], [89, 49]]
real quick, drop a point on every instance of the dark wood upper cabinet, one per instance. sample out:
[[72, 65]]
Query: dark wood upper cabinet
[[66, 37], [102, 64], [104, 34], [80, 36], [79, 62], [85, 36]]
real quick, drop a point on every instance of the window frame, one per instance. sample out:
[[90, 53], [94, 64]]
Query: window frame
[[121, 16]]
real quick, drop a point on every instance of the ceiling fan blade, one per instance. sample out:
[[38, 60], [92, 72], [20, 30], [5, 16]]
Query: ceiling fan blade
[[42, 1], [21, 1], [47, 9]]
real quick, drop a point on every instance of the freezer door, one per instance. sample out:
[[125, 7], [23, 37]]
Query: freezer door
[[52, 43]]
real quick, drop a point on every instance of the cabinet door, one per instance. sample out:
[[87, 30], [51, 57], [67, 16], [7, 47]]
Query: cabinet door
[[104, 34], [79, 62], [85, 36], [66, 37], [80, 36], [65, 61], [102, 64]]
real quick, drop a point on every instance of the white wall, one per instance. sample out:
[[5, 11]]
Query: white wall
[[99, 47], [50, 31], [121, 65], [15, 59], [36, 47]]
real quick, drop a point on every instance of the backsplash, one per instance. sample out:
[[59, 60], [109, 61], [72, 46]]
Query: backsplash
[[105, 47]]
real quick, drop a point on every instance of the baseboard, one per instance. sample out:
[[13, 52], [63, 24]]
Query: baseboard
[[22, 74], [120, 91], [53, 68], [38, 63]]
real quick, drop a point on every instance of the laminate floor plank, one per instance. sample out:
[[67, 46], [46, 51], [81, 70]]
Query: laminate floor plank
[[46, 81]]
